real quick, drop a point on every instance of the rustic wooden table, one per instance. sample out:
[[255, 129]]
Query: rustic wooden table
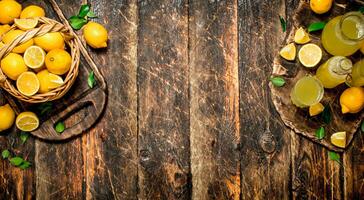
[[189, 114]]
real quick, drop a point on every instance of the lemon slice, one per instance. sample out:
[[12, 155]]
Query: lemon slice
[[339, 139], [26, 24], [27, 121], [55, 81], [34, 57], [316, 109], [28, 83], [310, 55], [301, 36], [288, 52]]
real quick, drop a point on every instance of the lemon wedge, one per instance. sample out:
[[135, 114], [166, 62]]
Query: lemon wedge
[[310, 55], [316, 109], [28, 83], [288, 52], [27, 121], [301, 36], [339, 139], [26, 24]]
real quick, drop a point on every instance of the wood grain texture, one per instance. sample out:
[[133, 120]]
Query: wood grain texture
[[214, 103], [163, 91]]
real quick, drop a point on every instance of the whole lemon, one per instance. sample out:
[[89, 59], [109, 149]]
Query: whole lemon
[[13, 66], [50, 41], [32, 11], [13, 34], [7, 116], [320, 6], [4, 28], [352, 100], [9, 10], [95, 35], [58, 61]]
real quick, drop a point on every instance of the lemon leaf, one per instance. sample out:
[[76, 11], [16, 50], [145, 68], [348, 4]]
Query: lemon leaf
[[24, 136], [60, 127], [362, 126], [45, 108], [277, 81], [84, 10], [283, 24], [334, 156], [316, 26], [91, 15], [5, 154], [25, 165], [91, 80], [361, 9], [320, 133], [16, 161], [76, 22], [326, 115]]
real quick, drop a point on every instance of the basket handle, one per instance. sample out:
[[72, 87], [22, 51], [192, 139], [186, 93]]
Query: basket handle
[[95, 103]]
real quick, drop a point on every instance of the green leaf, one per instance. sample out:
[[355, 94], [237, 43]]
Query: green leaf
[[320, 133], [283, 24], [277, 81], [77, 23], [84, 10], [362, 126], [361, 9], [25, 165], [316, 26], [326, 115], [60, 127], [91, 80], [24, 136], [91, 14], [334, 156], [16, 161], [45, 108], [5, 154]]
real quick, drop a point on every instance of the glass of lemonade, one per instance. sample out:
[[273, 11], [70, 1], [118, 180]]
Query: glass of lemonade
[[307, 91], [357, 74], [334, 71], [344, 35]]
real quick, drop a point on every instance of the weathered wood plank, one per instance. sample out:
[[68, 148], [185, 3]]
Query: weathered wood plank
[[163, 90], [214, 103]]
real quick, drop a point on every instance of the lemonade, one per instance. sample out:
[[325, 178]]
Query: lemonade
[[307, 91], [357, 74], [344, 35], [334, 71]]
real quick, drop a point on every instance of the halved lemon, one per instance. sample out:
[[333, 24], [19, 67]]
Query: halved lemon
[[288, 52], [26, 24], [27, 121], [339, 139], [310, 55], [301, 36], [28, 83], [34, 57]]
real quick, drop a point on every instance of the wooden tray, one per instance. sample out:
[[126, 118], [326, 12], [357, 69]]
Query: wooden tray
[[81, 107], [299, 119]]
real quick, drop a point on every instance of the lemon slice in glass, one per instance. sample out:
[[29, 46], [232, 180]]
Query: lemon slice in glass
[[288, 52], [339, 139], [27, 121], [301, 36], [34, 57], [310, 55], [26, 24], [28, 83]]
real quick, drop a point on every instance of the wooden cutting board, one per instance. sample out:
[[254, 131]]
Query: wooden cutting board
[[80, 108], [299, 119]]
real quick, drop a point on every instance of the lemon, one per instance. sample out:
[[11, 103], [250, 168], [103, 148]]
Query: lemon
[[34, 57], [27, 121], [7, 116], [352, 100], [288, 52], [316, 109], [28, 83], [339, 139], [9, 10], [320, 6], [4, 28], [95, 35], [12, 35], [13, 65], [26, 24], [48, 81], [310, 55], [301, 36], [362, 48], [32, 11], [50, 41], [58, 61], [1, 44]]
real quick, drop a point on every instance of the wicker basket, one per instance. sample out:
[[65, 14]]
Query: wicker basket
[[45, 25]]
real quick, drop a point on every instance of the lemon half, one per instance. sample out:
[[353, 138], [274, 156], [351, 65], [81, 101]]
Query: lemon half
[[27, 121], [310, 55]]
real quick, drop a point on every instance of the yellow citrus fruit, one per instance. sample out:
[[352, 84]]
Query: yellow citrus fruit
[[13, 65], [7, 116], [9, 10], [1, 44], [316, 109], [320, 6], [26, 24], [352, 100], [362, 48], [48, 81], [310, 55], [339, 139], [288, 52], [32, 11], [58, 61], [301, 36], [34, 57], [27, 121], [12, 35], [95, 35], [50, 41], [28, 83], [4, 28]]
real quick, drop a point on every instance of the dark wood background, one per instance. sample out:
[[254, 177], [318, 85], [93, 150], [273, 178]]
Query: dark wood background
[[189, 114]]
